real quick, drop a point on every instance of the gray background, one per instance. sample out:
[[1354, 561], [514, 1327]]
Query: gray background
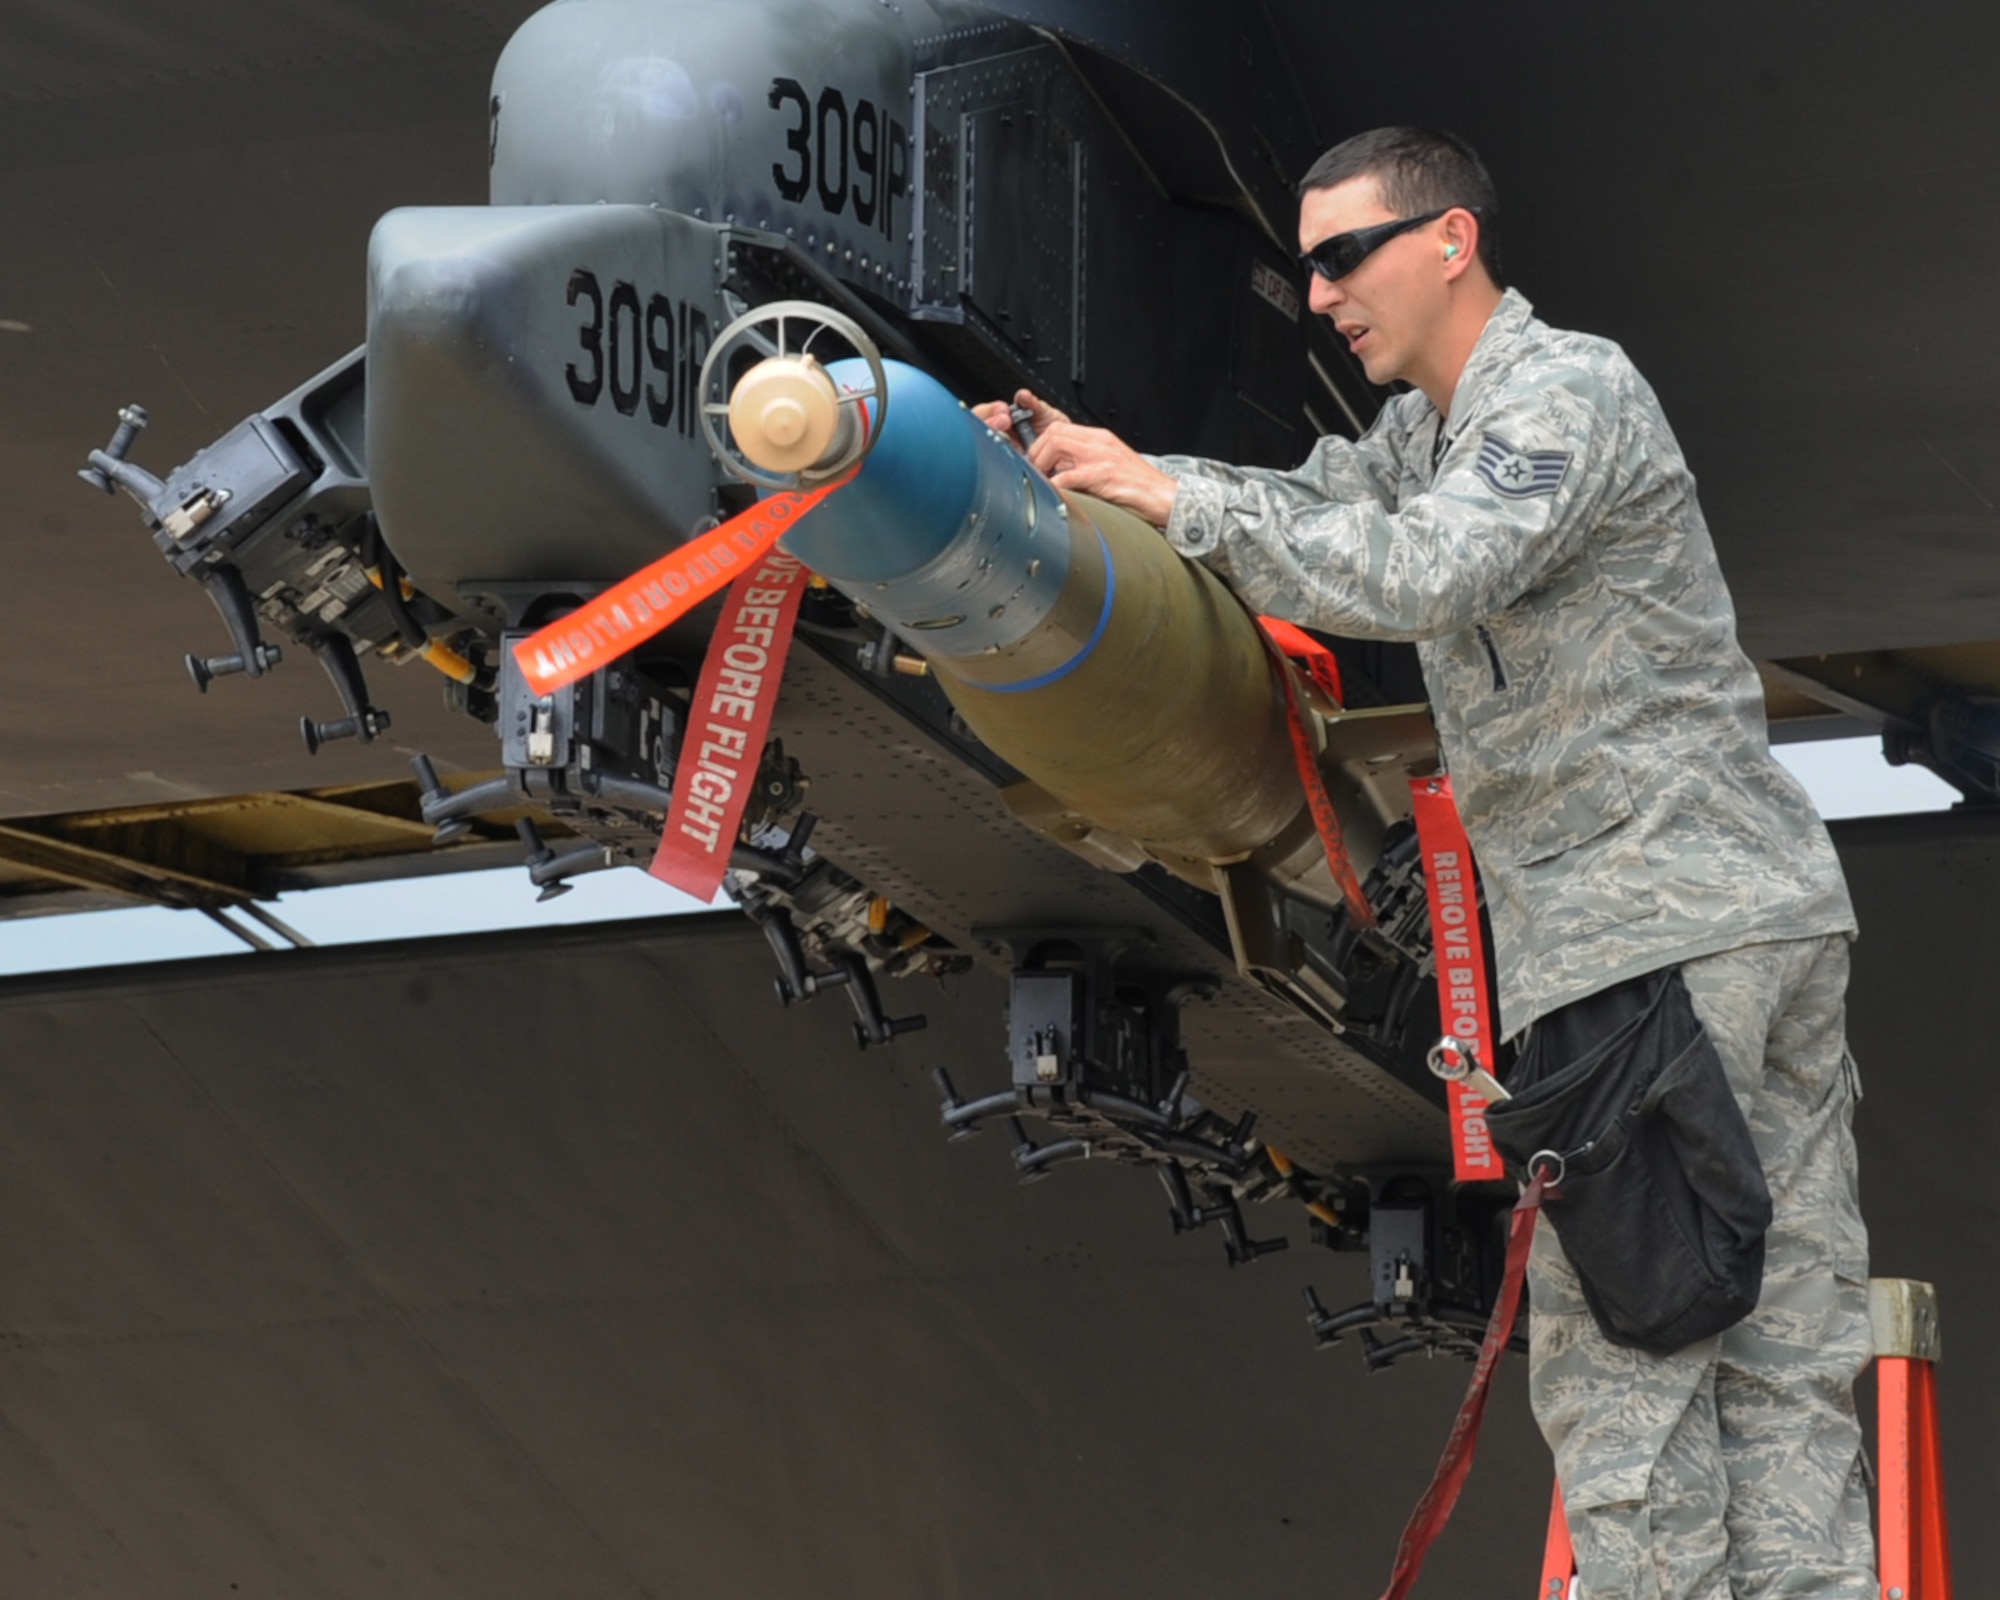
[[569, 1264]]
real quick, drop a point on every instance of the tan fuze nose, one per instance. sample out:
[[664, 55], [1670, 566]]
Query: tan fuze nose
[[785, 414]]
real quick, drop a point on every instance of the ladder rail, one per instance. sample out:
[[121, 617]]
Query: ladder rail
[[1912, 1553]]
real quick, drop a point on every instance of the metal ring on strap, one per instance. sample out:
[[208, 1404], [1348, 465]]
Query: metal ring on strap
[[1453, 1060]]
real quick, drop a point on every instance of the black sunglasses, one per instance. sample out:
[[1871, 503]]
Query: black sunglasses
[[1333, 259]]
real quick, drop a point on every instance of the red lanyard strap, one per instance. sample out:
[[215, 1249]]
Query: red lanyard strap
[[1466, 1016], [1281, 639], [730, 715], [630, 612], [1309, 653], [728, 721], [1434, 1509], [1465, 1010]]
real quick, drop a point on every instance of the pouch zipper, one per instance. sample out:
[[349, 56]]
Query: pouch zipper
[[1492, 655]]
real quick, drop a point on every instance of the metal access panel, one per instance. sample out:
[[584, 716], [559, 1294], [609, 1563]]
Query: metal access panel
[[1179, 326], [1028, 279], [1019, 137], [1010, 137], [1269, 328]]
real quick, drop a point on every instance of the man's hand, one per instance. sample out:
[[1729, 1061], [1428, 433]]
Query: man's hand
[[999, 414], [1093, 461]]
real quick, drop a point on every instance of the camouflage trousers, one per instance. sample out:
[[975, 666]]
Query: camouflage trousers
[[1732, 1469]]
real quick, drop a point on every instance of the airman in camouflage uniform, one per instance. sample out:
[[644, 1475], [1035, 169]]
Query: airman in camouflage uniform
[[1604, 732], [1524, 515]]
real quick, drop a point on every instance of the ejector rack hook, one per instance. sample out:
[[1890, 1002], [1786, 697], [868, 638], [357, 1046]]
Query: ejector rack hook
[[805, 409], [108, 467]]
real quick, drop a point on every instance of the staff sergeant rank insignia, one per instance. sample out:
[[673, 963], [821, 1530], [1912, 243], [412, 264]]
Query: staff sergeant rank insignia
[[1520, 474]]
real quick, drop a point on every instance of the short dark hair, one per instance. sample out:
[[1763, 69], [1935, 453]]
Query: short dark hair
[[1417, 170]]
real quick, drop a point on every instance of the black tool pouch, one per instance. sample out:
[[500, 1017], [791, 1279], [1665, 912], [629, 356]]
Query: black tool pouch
[[1661, 1205]]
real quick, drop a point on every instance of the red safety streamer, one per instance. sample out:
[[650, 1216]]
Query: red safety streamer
[[629, 613], [1434, 1509], [1309, 653], [1558, 1554], [1467, 1017], [728, 721], [1464, 1009], [1278, 644]]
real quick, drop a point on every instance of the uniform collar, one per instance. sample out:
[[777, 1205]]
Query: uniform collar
[[1491, 356]]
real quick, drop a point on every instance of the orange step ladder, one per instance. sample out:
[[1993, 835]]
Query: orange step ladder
[[1910, 1535], [1910, 1546]]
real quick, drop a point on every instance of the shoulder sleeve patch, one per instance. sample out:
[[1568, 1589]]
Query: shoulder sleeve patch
[[1520, 474]]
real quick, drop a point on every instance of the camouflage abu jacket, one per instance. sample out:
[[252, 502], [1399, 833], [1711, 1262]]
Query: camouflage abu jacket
[[1603, 729]]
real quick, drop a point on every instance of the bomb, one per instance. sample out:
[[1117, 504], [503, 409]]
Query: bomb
[[1132, 689]]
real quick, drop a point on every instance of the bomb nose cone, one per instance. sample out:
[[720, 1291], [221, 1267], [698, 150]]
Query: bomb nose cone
[[784, 414], [784, 420]]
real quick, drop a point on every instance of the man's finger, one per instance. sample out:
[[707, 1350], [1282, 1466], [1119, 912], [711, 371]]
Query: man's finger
[[1046, 416], [1049, 448]]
